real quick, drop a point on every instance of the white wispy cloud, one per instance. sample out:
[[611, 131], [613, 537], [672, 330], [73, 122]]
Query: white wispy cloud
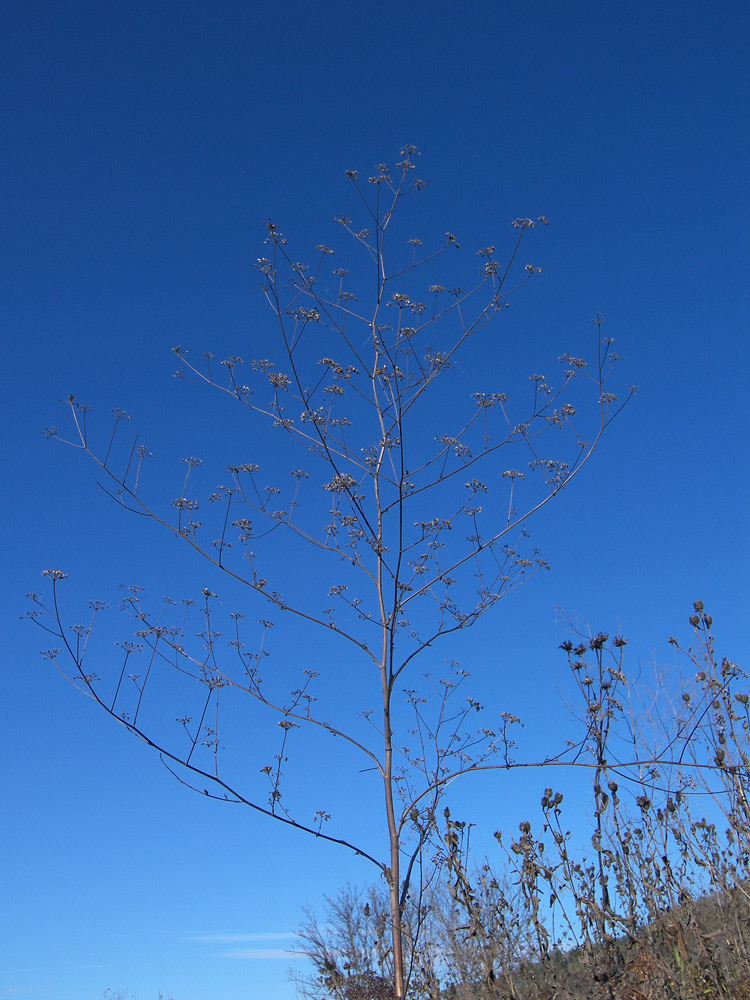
[[255, 938], [262, 953], [237, 938]]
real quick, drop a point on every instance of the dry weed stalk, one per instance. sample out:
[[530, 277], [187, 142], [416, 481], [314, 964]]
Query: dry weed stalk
[[417, 534]]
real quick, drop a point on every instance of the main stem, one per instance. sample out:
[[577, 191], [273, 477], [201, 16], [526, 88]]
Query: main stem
[[393, 873]]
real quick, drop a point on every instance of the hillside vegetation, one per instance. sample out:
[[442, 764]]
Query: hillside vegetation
[[658, 906]]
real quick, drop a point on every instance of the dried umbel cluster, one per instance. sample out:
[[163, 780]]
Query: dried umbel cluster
[[406, 499]]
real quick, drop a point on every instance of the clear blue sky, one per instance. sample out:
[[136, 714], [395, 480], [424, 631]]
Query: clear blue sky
[[144, 147]]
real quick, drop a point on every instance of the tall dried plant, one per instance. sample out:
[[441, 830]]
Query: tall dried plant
[[410, 502]]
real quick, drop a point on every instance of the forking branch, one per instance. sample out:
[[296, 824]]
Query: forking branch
[[380, 509]]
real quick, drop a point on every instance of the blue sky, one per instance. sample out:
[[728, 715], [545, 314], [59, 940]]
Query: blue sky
[[145, 147]]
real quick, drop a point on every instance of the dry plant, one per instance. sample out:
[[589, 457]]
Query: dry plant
[[657, 908], [407, 499]]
